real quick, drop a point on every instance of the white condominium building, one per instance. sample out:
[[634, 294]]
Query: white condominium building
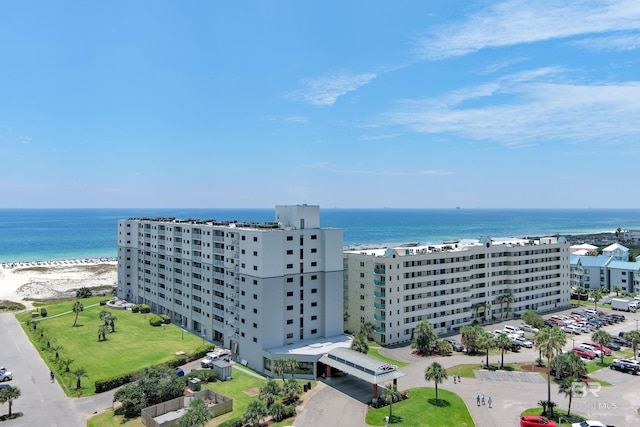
[[255, 288], [452, 284]]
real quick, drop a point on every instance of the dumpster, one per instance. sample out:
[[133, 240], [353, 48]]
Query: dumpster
[[194, 384]]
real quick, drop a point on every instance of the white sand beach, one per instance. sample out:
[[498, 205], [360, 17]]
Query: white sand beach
[[33, 281]]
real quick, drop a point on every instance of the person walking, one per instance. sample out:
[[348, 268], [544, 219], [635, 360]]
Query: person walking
[[52, 376], [478, 400], [489, 401], [482, 399]]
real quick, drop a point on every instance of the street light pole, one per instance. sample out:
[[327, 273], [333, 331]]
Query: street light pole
[[182, 328], [203, 336], [637, 320]]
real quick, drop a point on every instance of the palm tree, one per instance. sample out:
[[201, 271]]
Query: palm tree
[[79, 374], [277, 411], [57, 349], [596, 295], [269, 392], [102, 333], [77, 308], [292, 366], [570, 363], [360, 344], [391, 395], [436, 373], [443, 347], [487, 309], [280, 367], [617, 290], [112, 323], [508, 299], [634, 337], [255, 412], [500, 299], [66, 363], [366, 329], [486, 341], [567, 388], [476, 308], [503, 342], [9, 394], [549, 341], [603, 338], [292, 390], [470, 334]]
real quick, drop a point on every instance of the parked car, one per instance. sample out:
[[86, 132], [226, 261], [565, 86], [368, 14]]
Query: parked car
[[584, 353], [622, 341], [624, 366], [572, 329], [605, 350], [613, 346], [589, 423], [207, 362], [535, 420], [524, 342], [5, 375], [513, 330], [529, 328], [455, 344]]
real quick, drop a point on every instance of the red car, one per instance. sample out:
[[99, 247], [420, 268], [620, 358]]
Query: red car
[[535, 420], [583, 352], [605, 350]]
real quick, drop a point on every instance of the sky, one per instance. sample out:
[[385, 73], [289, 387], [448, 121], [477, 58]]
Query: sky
[[347, 104]]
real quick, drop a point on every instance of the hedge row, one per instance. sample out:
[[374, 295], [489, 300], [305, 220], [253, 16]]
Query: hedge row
[[141, 308], [234, 422], [204, 375]]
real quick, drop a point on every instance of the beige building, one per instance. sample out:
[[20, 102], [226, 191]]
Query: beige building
[[452, 284]]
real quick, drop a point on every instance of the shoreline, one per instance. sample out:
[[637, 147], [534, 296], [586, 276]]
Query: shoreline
[[58, 262]]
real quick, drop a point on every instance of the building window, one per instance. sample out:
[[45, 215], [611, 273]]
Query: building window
[[314, 237], [362, 297], [314, 264], [314, 250], [255, 239], [289, 336], [314, 331], [255, 339], [255, 296], [255, 325], [255, 311], [255, 268], [289, 279], [314, 304], [289, 307], [255, 253], [289, 321], [314, 317], [290, 252], [314, 277], [290, 293], [289, 265], [289, 238]]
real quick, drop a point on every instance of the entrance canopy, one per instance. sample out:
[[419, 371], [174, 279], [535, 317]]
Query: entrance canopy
[[362, 366]]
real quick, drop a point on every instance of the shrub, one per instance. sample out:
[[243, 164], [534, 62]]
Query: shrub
[[135, 308], [141, 308], [177, 361], [165, 319], [289, 411], [204, 375], [104, 302], [155, 320], [107, 384], [43, 312], [84, 292]]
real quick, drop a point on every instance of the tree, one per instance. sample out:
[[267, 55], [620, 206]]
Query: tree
[[567, 388], [269, 392], [425, 338], [634, 337], [570, 364], [603, 338], [112, 323], [487, 309], [292, 366], [277, 411], [443, 347], [102, 333], [79, 374], [469, 337], [503, 342], [197, 414], [255, 412], [77, 308], [279, 367], [436, 373], [8, 395], [57, 349], [292, 389], [486, 341], [476, 308], [595, 295], [508, 299], [66, 363], [617, 290], [530, 317], [360, 344], [549, 341], [390, 395], [366, 329]]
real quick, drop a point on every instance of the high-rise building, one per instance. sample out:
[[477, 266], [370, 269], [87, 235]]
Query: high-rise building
[[264, 290], [452, 284]]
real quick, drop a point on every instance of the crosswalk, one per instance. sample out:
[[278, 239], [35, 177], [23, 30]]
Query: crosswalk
[[522, 377]]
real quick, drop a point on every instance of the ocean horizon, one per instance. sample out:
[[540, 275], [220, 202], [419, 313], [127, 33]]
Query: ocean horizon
[[28, 235]]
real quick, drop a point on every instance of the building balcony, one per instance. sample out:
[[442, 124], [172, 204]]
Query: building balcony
[[379, 306], [379, 282], [379, 317], [380, 329], [378, 294], [378, 270]]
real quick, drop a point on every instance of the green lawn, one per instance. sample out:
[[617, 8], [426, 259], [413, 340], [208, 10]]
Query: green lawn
[[465, 371], [595, 365], [235, 389], [134, 345], [422, 410], [374, 352]]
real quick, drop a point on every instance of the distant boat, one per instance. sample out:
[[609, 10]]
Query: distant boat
[[457, 207]]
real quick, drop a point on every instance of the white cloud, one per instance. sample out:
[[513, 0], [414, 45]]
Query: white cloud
[[326, 90], [515, 22], [615, 43], [378, 137], [530, 108]]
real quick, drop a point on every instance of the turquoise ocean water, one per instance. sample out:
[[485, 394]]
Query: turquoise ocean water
[[54, 234]]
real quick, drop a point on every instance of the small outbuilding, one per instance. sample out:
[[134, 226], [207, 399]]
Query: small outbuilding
[[222, 368]]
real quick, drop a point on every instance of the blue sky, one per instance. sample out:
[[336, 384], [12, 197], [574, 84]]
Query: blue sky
[[426, 104]]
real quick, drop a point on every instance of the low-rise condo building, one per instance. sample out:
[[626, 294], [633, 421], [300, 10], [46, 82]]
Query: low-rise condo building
[[452, 284], [265, 291]]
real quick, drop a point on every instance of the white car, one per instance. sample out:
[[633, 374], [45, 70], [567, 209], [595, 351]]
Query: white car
[[591, 348], [572, 329], [524, 342], [589, 423], [5, 375], [513, 330], [529, 328]]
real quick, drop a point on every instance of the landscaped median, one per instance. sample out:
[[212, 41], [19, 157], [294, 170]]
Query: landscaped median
[[85, 353], [422, 409]]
